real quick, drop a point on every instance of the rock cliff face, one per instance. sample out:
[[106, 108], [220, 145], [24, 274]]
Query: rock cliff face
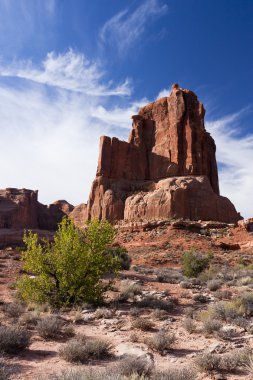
[[18, 208], [166, 169]]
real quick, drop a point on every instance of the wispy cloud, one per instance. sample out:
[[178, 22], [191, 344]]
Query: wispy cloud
[[235, 155], [126, 27], [69, 71], [51, 123], [51, 119]]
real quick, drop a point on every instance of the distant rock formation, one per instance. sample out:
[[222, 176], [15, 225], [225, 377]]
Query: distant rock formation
[[167, 169], [19, 209]]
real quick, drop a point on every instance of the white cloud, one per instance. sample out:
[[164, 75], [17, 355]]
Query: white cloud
[[50, 133], [70, 71], [126, 27], [163, 93], [235, 155]]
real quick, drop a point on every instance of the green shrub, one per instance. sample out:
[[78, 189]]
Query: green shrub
[[195, 262], [121, 254], [70, 269]]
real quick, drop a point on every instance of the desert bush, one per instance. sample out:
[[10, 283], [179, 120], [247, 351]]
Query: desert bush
[[69, 269], [226, 334], [201, 298], [189, 312], [176, 374], [214, 285], [77, 315], [49, 327], [14, 310], [160, 342], [222, 294], [134, 311], [245, 303], [189, 325], [5, 370], [29, 318], [155, 303], [142, 324], [227, 362], [131, 365], [81, 350], [159, 314], [241, 322], [186, 284], [249, 365], [169, 276], [102, 312], [129, 290], [13, 339], [134, 338], [224, 311], [208, 362], [121, 255], [211, 325], [195, 262]]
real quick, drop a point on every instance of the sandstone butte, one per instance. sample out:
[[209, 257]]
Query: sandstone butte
[[167, 169]]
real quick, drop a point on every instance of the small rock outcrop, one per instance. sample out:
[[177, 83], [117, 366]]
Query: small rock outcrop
[[167, 169]]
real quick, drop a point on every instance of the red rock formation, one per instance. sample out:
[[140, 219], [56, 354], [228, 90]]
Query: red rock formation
[[168, 139], [18, 208], [79, 215]]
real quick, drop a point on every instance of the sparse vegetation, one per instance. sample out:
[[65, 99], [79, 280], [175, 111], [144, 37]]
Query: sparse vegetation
[[195, 262], [121, 255], [160, 342], [81, 350], [143, 324], [211, 325], [68, 270], [228, 362], [13, 339], [214, 285], [132, 365], [14, 310], [5, 369], [176, 374], [49, 327], [155, 303], [189, 325]]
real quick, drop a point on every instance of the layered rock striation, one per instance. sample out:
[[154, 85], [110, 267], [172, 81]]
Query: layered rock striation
[[167, 169]]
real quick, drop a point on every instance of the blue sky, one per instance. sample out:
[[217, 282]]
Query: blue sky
[[71, 71]]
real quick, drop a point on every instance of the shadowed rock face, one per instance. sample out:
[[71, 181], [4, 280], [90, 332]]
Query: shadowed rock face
[[19, 209], [168, 140]]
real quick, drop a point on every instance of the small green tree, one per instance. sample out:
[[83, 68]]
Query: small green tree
[[195, 262], [70, 269]]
